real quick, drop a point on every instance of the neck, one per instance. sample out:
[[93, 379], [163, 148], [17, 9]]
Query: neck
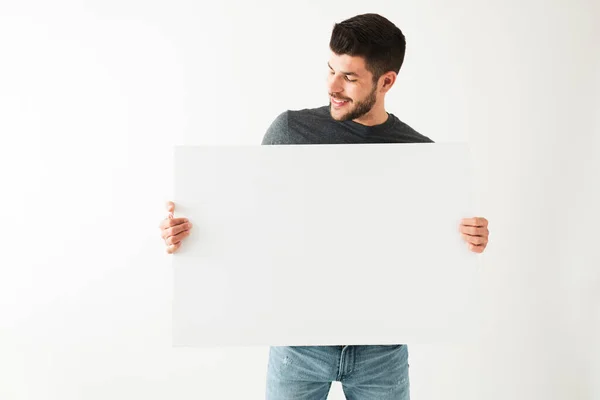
[[376, 116]]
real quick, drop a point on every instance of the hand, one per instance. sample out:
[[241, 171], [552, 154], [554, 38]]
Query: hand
[[475, 232], [174, 230]]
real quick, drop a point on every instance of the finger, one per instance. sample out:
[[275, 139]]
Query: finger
[[475, 240], [173, 248], [476, 249], [175, 230], [475, 221], [474, 231], [170, 207], [169, 222], [177, 238]]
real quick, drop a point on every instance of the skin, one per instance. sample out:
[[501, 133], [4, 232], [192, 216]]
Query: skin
[[174, 230], [348, 80]]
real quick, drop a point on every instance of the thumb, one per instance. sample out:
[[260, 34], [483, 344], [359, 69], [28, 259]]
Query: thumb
[[170, 208]]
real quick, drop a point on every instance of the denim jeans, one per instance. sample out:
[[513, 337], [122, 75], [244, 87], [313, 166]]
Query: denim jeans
[[366, 372]]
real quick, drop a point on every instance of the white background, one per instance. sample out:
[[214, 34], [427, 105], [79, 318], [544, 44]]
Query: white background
[[94, 94]]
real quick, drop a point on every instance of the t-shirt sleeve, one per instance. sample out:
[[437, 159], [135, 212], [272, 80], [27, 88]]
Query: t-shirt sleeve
[[277, 133]]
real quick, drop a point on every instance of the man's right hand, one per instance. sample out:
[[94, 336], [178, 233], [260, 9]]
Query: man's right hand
[[174, 230]]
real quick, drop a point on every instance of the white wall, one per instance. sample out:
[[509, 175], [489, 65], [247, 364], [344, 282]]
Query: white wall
[[94, 94]]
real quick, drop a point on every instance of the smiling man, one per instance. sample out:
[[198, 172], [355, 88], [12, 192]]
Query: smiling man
[[367, 52]]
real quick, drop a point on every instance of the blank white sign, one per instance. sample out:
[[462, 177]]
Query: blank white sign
[[323, 245]]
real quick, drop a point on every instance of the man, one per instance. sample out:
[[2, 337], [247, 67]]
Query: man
[[367, 52]]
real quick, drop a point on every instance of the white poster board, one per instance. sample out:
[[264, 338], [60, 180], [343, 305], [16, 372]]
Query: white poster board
[[323, 245]]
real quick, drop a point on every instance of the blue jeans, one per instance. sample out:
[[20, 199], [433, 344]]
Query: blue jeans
[[366, 372]]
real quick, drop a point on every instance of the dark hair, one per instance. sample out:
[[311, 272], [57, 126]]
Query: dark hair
[[379, 41]]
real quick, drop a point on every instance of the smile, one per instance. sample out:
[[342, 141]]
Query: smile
[[338, 102]]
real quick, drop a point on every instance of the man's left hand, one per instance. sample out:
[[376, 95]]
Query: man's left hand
[[475, 232]]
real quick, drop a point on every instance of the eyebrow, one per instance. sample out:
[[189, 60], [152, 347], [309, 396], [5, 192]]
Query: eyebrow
[[345, 73]]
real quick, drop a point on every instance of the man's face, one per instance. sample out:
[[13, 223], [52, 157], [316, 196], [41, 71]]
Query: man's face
[[352, 93]]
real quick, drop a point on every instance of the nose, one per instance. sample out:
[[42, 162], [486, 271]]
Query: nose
[[334, 84]]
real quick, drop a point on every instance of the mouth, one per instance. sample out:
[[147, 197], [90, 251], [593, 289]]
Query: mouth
[[338, 103]]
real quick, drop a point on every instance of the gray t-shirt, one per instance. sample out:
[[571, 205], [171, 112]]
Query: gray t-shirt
[[316, 126]]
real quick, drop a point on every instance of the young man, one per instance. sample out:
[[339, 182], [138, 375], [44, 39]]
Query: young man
[[367, 52]]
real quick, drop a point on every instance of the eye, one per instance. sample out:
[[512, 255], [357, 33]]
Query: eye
[[345, 77]]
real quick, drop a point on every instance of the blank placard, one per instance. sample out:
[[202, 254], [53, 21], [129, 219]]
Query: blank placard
[[323, 245]]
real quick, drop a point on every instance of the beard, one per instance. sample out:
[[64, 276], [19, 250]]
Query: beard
[[360, 108]]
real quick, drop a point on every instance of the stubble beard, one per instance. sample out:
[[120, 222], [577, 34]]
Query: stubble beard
[[360, 109]]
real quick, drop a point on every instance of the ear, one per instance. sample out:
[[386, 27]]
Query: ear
[[387, 80]]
